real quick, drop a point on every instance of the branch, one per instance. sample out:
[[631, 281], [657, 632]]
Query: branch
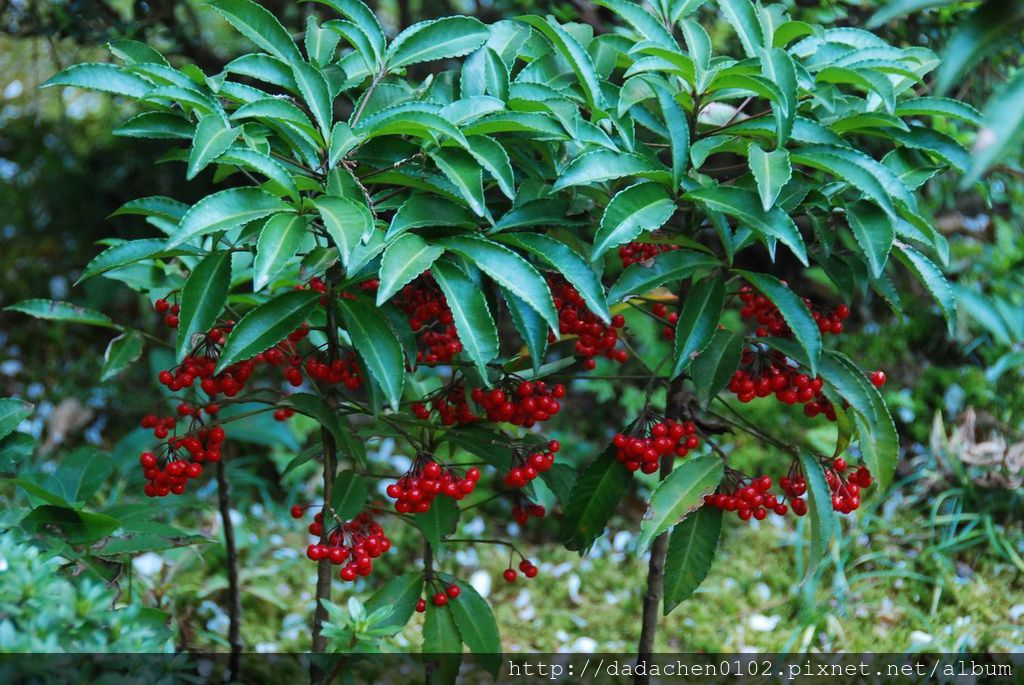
[[234, 593]]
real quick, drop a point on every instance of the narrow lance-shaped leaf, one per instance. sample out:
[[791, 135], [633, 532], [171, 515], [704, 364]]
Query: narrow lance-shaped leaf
[[743, 18], [678, 495], [315, 91], [473, 321], [203, 299], [377, 345], [347, 222], [713, 367], [278, 243], [106, 78], [645, 206], [267, 325], [226, 210], [578, 58], [477, 626], [931, 277], [1003, 131], [778, 67], [595, 496], [665, 268], [55, 310], [259, 25], [436, 39], [821, 517], [873, 232], [403, 260], [364, 18], [678, 135], [213, 137], [698, 321], [531, 326], [121, 352], [691, 549], [348, 494], [606, 165], [794, 312], [465, 174], [771, 170]]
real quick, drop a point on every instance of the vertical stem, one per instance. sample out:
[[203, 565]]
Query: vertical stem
[[324, 568], [659, 550], [428, 577], [234, 594]]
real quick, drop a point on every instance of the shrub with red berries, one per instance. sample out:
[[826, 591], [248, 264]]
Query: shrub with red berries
[[643, 448], [427, 479]]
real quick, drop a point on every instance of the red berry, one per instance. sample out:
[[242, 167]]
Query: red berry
[[297, 511], [510, 575], [440, 599], [878, 378], [421, 605], [454, 591]]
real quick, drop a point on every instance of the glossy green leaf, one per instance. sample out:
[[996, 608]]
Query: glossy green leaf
[[122, 254], [941, 108], [473, 321], [398, 597], [771, 170], [256, 23], [439, 521], [465, 174], [321, 43], [317, 94], [713, 367], [156, 125], [742, 16], [347, 222], [403, 260], [477, 627], [679, 495], [698, 321], [442, 641], [225, 210], [262, 164], [531, 327], [364, 18], [678, 134], [775, 224], [1003, 130], [598, 166], [424, 211], [348, 494], [213, 137], [668, 267], [121, 352], [987, 29], [645, 206], [106, 78], [12, 412], [377, 345], [508, 270], [436, 39], [202, 300], [55, 310], [278, 243], [873, 232], [778, 67], [267, 325], [931, 278], [578, 58], [595, 496], [793, 311], [820, 516], [490, 155], [691, 551]]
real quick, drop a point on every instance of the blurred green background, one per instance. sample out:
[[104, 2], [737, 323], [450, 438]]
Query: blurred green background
[[934, 566]]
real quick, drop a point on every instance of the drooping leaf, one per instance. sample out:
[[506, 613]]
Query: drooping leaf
[[645, 206], [203, 299], [742, 16], [121, 352], [347, 222], [436, 39], [931, 278], [106, 78], [278, 243], [713, 367], [698, 321], [793, 311], [225, 210], [667, 267], [595, 495], [874, 233], [473, 321], [477, 626], [267, 325], [602, 165], [348, 494], [577, 57], [772, 172], [317, 94], [820, 515], [259, 25], [681, 493], [55, 310], [774, 224], [691, 550], [465, 174], [402, 261], [377, 345]]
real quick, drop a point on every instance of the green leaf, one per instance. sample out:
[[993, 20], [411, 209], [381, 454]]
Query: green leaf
[[778, 67], [77, 527], [348, 494], [321, 43], [156, 206], [667, 267], [477, 626], [261, 164], [342, 142], [203, 299], [775, 224], [570, 264], [898, 8], [121, 352], [439, 521], [156, 125], [363, 17], [531, 326], [337, 425], [267, 325], [577, 57], [225, 210], [441, 638], [713, 367], [490, 155], [681, 493], [399, 596], [678, 134], [106, 78], [403, 260], [317, 94], [465, 174], [602, 165], [213, 137], [508, 270], [793, 311], [821, 517], [436, 39], [377, 345], [423, 211], [941, 108], [645, 206], [771, 170], [473, 321], [986, 30], [691, 551], [278, 243], [1003, 132], [12, 413], [698, 321], [860, 171], [347, 222], [742, 16], [55, 310], [874, 234], [122, 254], [931, 278], [595, 495], [260, 26], [642, 21]]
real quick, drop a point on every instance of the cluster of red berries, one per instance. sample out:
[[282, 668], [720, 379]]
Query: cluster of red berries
[[440, 598], [340, 371], [768, 372], [180, 459], [771, 323], [419, 487], [170, 312], [644, 451], [634, 252], [430, 319], [750, 498], [845, 488], [660, 309], [522, 403], [354, 543], [593, 336], [525, 566], [521, 513], [451, 406], [532, 466]]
